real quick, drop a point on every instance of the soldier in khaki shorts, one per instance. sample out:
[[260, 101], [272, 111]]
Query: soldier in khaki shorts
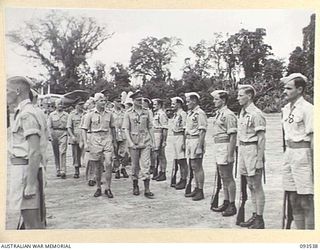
[[74, 129], [196, 126], [57, 125], [179, 140], [160, 129], [251, 135], [298, 170], [28, 135], [138, 128], [101, 125], [225, 138]]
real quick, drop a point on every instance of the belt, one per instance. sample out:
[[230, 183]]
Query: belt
[[178, 133], [59, 128], [192, 136], [245, 143], [300, 144], [100, 132], [221, 140], [19, 161], [157, 130]]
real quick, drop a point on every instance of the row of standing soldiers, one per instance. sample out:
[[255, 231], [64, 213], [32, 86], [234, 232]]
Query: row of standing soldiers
[[105, 138]]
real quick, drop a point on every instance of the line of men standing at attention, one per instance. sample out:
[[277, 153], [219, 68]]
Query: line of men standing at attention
[[104, 138]]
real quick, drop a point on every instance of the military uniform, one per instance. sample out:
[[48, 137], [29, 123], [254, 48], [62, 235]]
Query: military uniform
[[26, 123], [121, 154], [74, 124], [196, 121], [251, 121], [178, 128], [138, 125], [57, 124], [298, 166]]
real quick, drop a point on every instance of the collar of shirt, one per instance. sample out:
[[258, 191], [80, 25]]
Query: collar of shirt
[[194, 110], [298, 102], [95, 110], [179, 111], [250, 108], [22, 104]]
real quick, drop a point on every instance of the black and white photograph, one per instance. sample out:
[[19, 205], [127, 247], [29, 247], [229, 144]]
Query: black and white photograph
[[159, 118]]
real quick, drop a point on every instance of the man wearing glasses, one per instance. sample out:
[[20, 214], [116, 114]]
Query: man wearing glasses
[[298, 159], [139, 133]]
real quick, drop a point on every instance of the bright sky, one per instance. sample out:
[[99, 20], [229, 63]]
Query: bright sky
[[284, 32]]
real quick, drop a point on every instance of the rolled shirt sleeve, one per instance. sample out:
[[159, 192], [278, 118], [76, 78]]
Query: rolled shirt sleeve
[[87, 122], [164, 120], [202, 119], [30, 125], [259, 122], [69, 121], [308, 119]]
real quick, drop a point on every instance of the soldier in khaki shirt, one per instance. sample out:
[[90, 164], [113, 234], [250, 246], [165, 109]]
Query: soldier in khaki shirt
[[138, 128], [120, 154], [298, 177], [179, 140], [225, 138], [74, 129], [160, 129], [196, 126], [251, 135], [101, 124], [57, 125], [27, 137]]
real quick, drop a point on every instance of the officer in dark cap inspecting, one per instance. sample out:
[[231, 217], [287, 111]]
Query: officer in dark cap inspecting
[[138, 128], [74, 130]]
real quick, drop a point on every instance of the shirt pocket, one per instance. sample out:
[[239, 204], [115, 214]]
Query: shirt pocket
[[298, 120], [55, 121]]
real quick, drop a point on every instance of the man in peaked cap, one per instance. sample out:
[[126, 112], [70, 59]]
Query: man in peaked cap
[[120, 155], [74, 129], [57, 125], [27, 132], [251, 135], [225, 137], [101, 124], [298, 177], [179, 142], [196, 126], [138, 128], [160, 129]]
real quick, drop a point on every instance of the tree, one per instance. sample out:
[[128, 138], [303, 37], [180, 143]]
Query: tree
[[61, 43], [297, 61], [308, 46], [152, 56], [121, 76]]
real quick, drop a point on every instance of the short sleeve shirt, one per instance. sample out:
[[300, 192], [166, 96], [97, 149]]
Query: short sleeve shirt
[[118, 122], [251, 121], [26, 123], [298, 120], [96, 121], [137, 122], [160, 119], [58, 120], [179, 121], [196, 121], [74, 121], [224, 123]]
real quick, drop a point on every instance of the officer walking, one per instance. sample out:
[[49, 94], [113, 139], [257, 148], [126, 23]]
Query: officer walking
[[101, 124], [225, 137], [298, 178], [179, 140], [160, 129], [196, 126], [251, 135], [138, 128], [27, 137], [121, 155], [74, 130], [57, 125]]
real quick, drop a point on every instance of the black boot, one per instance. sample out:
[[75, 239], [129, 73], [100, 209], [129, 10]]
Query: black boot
[[155, 173], [147, 192], [124, 173], [193, 193], [199, 195], [151, 169], [221, 208], [117, 175], [97, 193], [230, 211], [249, 222], [181, 184], [161, 176], [258, 223], [135, 187], [76, 173]]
